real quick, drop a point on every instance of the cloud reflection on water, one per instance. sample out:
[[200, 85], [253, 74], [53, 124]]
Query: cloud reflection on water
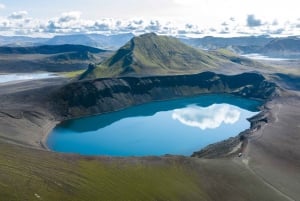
[[207, 117]]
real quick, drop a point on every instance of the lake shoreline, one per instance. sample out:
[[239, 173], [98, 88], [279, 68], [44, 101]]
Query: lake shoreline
[[206, 119], [56, 115], [47, 131]]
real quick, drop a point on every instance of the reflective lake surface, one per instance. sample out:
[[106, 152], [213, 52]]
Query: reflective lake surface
[[177, 127]]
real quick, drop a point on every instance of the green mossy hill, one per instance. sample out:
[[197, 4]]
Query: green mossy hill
[[150, 54]]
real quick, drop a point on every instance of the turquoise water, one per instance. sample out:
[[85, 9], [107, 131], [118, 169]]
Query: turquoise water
[[177, 127]]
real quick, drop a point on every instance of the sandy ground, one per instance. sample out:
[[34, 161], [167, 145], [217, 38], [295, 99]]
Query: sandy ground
[[24, 114], [274, 152]]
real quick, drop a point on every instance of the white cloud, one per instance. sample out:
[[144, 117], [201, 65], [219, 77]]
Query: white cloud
[[252, 21], [198, 17], [18, 15], [153, 26], [68, 23], [19, 23], [70, 16], [207, 118], [2, 6]]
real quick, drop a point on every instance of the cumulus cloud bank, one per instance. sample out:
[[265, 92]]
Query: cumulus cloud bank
[[207, 118], [20, 23], [69, 16]]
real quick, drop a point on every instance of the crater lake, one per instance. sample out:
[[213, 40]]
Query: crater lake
[[177, 127]]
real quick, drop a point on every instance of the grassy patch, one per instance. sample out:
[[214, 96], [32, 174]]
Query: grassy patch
[[27, 174], [72, 74], [139, 181], [226, 52]]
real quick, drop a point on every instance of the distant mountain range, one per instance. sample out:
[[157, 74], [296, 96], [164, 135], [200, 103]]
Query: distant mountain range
[[114, 42], [48, 49], [276, 47], [210, 42], [110, 42], [52, 58], [288, 47], [150, 54], [145, 54], [285, 47], [21, 41], [279, 47]]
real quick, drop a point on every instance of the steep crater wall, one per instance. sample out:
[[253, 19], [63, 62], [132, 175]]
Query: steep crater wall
[[98, 96]]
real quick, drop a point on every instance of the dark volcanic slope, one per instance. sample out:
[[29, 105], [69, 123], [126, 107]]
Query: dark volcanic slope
[[38, 105], [110, 94]]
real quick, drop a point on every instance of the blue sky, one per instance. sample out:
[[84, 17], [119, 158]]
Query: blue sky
[[194, 17], [91, 9]]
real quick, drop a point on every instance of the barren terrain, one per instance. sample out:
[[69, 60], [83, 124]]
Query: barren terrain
[[268, 169]]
